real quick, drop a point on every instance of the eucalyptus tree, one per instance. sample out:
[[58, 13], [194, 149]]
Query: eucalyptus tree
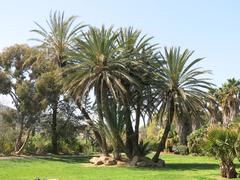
[[16, 81], [56, 41], [181, 88]]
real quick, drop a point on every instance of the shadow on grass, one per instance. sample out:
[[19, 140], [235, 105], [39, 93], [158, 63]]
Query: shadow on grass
[[58, 158], [66, 159], [191, 166]]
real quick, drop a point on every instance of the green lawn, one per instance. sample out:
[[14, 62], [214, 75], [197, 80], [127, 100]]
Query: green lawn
[[76, 168]]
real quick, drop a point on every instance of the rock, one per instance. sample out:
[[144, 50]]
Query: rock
[[104, 158], [160, 163], [98, 162], [134, 161], [142, 164], [93, 160], [121, 163], [110, 162]]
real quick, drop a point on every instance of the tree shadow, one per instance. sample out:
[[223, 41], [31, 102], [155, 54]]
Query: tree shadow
[[58, 158], [191, 166], [66, 159]]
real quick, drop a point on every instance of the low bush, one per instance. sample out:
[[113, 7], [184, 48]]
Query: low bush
[[182, 150], [38, 144], [223, 143], [195, 141]]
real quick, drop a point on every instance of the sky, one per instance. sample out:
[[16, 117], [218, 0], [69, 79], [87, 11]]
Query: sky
[[209, 27]]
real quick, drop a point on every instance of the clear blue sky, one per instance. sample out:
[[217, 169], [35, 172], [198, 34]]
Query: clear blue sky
[[210, 27]]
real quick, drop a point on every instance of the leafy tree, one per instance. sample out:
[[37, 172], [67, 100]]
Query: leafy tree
[[17, 83]]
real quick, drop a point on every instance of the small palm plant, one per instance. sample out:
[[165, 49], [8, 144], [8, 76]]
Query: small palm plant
[[222, 143]]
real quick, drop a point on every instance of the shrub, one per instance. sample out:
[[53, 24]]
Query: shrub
[[7, 140], [181, 149], [195, 141], [223, 144], [38, 144], [171, 141], [144, 148]]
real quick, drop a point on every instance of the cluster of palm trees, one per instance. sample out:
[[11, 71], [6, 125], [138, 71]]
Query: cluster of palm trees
[[127, 78]]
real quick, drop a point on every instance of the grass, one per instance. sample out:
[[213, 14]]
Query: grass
[[76, 168]]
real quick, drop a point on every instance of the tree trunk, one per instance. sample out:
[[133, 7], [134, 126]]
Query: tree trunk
[[162, 143], [19, 151], [138, 115], [54, 130], [131, 140], [228, 170], [184, 129], [117, 152], [19, 138]]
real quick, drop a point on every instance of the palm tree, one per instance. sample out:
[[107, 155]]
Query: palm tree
[[181, 88], [228, 97], [141, 56], [57, 40], [98, 66]]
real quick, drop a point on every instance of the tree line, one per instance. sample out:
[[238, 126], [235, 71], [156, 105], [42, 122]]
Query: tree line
[[108, 82]]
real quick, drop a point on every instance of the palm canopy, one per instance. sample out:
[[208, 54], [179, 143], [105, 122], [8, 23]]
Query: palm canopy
[[181, 81], [59, 35], [97, 63]]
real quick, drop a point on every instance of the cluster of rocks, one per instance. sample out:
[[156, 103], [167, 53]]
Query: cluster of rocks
[[138, 161], [105, 160]]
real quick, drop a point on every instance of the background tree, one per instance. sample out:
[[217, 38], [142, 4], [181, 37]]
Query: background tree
[[17, 83]]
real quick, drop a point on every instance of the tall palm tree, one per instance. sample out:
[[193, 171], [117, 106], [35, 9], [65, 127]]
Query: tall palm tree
[[228, 97], [98, 66], [181, 87], [57, 40], [141, 56]]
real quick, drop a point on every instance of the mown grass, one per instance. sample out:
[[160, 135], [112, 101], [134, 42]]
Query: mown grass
[[76, 168]]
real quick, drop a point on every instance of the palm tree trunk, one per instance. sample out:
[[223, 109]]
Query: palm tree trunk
[[184, 129], [161, 145], [54, 130], [131, 138], [228, 170], [138, 115]]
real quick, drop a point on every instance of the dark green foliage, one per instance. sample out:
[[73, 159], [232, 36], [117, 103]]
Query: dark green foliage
[[223, 144], [182, 150], [196, 141], [144, 148]]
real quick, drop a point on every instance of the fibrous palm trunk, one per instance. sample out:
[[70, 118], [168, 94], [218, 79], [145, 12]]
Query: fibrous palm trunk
[[228, 170], [54, 130]]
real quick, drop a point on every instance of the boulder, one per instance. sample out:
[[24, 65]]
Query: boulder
[[134, 161], [110, 162], [93, 160], [142, 164], [104, 158], [98, 162], [121, 163], [160, 163]]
